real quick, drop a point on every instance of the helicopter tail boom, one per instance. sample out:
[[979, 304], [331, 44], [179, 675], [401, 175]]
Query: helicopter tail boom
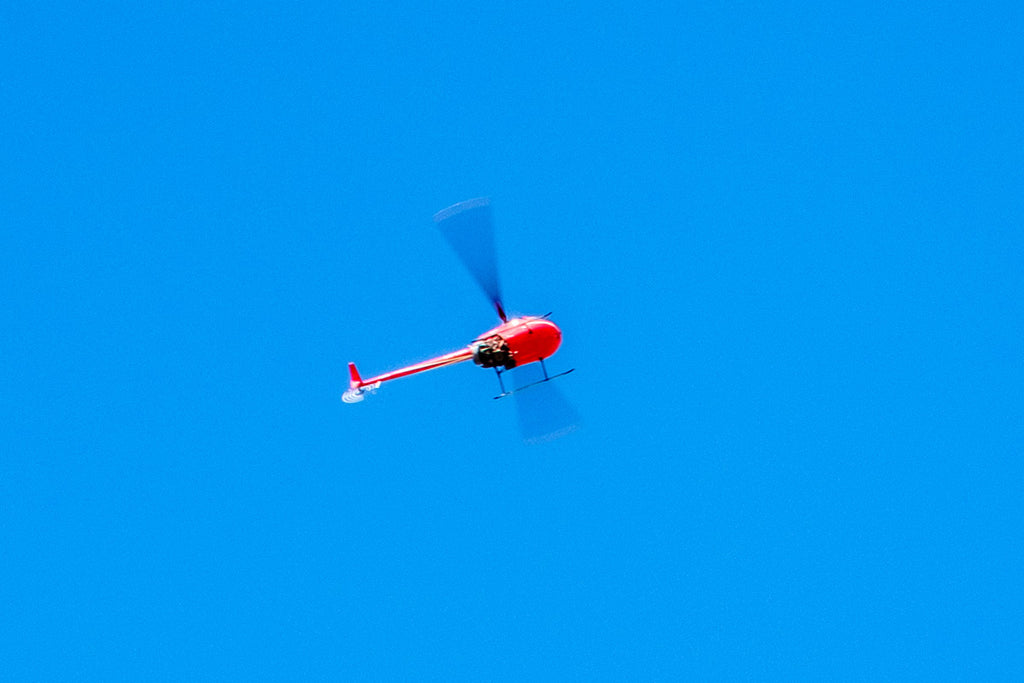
[[358, 386]]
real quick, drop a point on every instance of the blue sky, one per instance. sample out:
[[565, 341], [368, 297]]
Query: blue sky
[[783, 243]]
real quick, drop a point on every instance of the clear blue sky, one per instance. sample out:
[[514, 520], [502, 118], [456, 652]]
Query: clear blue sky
[[784, 244]]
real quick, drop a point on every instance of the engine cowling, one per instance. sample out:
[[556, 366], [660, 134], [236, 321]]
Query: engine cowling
[[493, 352]]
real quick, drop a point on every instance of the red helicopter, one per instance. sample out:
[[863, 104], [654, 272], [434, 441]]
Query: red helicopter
[[514, 343]]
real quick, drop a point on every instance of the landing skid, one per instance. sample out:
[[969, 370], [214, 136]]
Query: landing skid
[[547, 378]]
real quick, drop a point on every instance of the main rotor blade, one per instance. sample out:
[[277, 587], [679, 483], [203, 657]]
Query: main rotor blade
[[470, 231], [544, 412]]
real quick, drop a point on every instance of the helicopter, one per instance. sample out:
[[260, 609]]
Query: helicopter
[[516, 342]]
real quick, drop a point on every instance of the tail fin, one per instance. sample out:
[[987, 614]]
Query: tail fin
[[355, 386]]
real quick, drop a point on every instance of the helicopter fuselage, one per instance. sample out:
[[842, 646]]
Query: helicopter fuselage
[[512, 344], [517, 342]]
